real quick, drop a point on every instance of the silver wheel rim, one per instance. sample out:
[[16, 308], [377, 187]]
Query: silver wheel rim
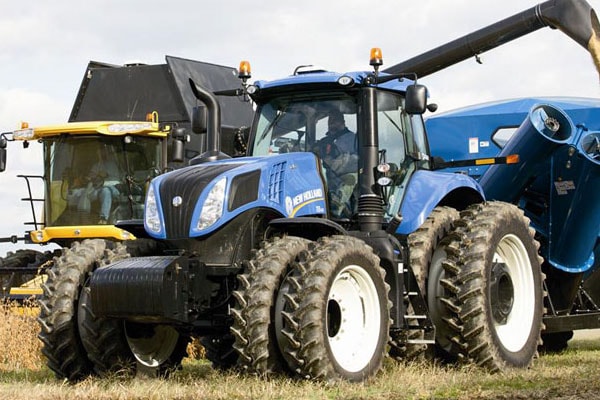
[[353, 320], [153, 350], [514, 332]]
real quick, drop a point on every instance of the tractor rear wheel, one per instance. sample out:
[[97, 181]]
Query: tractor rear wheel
[[339, 326], [258, 311], [426, 254], [58, 319], [492, 287]]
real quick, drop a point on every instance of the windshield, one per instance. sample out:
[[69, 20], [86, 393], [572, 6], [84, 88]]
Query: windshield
[[98, 179], [296, 124]]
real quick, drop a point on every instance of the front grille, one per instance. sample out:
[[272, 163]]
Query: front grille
[[187, 183]]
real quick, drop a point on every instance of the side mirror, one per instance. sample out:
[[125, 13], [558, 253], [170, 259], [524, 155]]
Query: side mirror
[[199, 119], [179, 138], [416, 99]]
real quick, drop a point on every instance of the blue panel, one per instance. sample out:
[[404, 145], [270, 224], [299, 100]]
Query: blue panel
[[424, 192], [467, 132], [290, 184]]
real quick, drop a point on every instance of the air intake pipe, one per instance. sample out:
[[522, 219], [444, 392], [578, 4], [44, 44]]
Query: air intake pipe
[[575, 18]]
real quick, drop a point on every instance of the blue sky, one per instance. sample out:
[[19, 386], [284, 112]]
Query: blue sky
[[45, 47]]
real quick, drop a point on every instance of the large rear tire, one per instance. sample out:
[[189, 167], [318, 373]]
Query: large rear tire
[[58, 319], [257, 316], [426, 255], [339, 326], [492, 287]]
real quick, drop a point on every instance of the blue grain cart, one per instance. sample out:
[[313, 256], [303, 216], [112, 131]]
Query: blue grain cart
[[556, 183]]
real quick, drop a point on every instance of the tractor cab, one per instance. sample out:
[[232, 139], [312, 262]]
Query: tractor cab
[[335, 123]]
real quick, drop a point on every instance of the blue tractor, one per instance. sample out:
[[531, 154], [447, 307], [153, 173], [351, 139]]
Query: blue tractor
[[334, 242]]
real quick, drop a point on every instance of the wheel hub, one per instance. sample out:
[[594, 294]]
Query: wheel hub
[[501, 292]]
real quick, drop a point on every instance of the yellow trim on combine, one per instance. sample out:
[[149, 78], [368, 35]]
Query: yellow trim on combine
[[80, 232], [109, 128]]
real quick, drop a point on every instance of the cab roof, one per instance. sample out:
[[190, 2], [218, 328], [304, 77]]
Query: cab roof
[[327, 78]]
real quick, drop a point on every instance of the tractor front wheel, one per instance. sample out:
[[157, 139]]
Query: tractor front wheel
[[340, 319], [258, 312], [103, 338]]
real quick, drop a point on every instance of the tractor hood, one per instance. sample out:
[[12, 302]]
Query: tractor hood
[[199, 199]]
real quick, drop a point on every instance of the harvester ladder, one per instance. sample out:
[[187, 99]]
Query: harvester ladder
[[36, 225]]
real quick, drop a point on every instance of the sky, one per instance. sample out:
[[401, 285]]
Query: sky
[[46, 46]]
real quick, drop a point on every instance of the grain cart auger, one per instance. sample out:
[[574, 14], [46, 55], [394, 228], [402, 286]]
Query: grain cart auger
[[332, 242]]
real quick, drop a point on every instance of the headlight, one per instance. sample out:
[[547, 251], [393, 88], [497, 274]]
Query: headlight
[[213, 206], [152, 218], [129, 127], [24, 134]]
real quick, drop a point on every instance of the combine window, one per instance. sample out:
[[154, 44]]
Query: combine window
[[89, 175]]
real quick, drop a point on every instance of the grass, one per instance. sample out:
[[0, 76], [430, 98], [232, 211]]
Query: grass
[[570, 375]]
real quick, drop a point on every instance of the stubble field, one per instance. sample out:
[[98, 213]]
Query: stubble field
[[570, 375]]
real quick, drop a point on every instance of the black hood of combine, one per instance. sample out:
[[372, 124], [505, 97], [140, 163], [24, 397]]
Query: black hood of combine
[[188, 183]]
